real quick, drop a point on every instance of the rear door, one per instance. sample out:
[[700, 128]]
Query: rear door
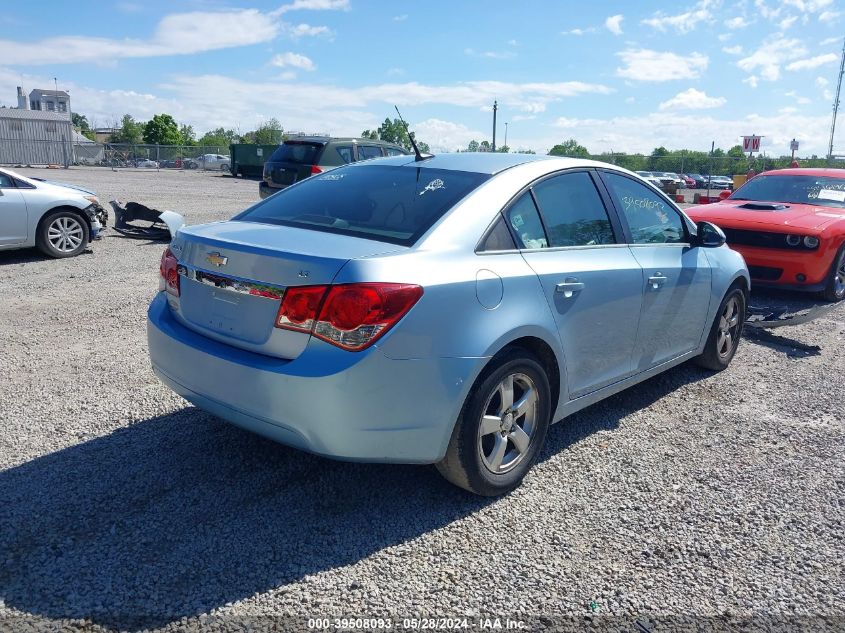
[[676, 288], [592, 282], [365, 152], [13, 213]]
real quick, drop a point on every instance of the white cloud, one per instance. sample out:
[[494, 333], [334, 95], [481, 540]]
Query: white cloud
[[763, 9], [489, 54], [788, 110], [578, 31], [513, 43], [732, 50], [288, 75], [766, 60], [644, 133], [751, 81], [830, 40], [400, 18], [175, 34], [813, 62], [293, 60], [738, 22], [798, 99], [692, 99], [682, 22], [306, 30], [614, 24], [787, 22], [821, 82], [314, 5], [829, 16], [648, 65], [446, 136], [811, 6]]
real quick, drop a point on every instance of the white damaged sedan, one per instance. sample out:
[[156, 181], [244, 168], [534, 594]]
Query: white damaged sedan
[[59, 219]]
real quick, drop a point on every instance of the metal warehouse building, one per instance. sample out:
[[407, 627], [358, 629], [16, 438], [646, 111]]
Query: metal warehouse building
[[33, 137]]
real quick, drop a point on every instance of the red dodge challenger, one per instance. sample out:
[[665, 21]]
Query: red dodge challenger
[[789, 225]]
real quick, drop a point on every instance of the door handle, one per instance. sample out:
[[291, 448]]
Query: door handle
[[657, 280], [569, 287]]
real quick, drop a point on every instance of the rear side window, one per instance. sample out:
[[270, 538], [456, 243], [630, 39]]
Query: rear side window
[[392, 151], [498, 239], [379, 202], [368, 151], [525, 222], [297, 152], [573, 211], [6, 182], [345, 154]]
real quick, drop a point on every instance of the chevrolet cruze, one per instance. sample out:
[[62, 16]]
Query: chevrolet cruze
[[441, 309]]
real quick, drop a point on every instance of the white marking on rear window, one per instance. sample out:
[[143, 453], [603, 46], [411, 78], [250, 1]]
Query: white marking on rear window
[[830, 194], [332, 177], [434, 185]]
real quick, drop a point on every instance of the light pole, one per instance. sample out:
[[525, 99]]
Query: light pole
[[506, 134], [495, 108]]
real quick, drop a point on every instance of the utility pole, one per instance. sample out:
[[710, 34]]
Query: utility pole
[[495, 107], [836, 105], [506, 133]]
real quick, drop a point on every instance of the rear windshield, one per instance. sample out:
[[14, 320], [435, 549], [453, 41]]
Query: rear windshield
[[825, 192], [380, 202], [297, 152]]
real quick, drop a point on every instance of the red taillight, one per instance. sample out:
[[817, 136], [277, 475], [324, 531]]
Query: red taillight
[[169, 270], [299, 307], [352, 316], [315, 170]]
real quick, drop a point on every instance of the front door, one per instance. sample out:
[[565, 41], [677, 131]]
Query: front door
[[593, 283], [13, 216], [677, 276]]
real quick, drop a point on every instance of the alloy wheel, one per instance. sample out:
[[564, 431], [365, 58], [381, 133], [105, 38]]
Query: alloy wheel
[[508, 424], [839, 279], [65, 234], [728, 328]]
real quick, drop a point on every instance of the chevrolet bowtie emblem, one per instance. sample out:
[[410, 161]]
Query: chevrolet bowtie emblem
[[216, 259]]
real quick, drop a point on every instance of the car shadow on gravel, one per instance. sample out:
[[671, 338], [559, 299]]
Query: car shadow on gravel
[[177, 515], [29, 255]]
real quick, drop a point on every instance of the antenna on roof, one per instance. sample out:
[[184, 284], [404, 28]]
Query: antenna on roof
[[419, 156]]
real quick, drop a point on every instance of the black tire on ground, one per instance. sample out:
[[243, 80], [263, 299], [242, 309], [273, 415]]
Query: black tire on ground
[[725, 332], [62, 234], [834, 289], [498, 433]]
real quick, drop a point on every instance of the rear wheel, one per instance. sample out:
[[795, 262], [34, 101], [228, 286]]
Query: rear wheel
[[724, 334], [835, 288], [501, 428], [62, 234]]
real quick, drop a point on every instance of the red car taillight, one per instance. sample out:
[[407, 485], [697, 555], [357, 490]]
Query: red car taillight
[[350, 316], [315, 170], [169, 272]]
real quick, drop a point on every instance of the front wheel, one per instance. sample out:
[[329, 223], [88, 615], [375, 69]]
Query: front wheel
[[724, 334], [835, 286], [501, 428], [62, 234]]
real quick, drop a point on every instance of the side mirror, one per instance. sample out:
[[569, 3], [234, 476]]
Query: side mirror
[[709, 235]]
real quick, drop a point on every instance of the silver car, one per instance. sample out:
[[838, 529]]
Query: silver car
[[444, 310], [59, 219]]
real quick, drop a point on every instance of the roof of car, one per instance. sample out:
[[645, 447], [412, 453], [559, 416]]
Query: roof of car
[[338, 139], [480, 162], [806, 171]]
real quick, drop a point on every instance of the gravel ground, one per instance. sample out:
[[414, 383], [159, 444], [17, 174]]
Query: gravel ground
[[709, 496]]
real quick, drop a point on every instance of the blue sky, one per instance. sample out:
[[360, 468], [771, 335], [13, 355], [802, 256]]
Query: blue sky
[[617, 76]]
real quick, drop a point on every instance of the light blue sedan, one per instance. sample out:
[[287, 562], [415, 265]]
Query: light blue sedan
[[443, 310]]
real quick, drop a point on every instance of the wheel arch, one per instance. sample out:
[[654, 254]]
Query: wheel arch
[[62, 207]]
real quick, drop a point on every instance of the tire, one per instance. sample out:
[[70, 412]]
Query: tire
[[62, 234], [492, 460], [224, 167], [725, 332], [835, 287]]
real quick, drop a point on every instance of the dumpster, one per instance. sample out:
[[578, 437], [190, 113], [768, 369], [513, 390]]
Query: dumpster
[[739, 180], [248, 159]]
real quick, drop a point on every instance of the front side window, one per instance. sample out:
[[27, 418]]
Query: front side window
[[573, 211], [374, 201], [650, 218], [525, 222]]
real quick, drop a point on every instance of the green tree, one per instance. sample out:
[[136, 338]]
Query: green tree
[[80, 121], [188, 135], [219, 137], [394, 132], [162, 129], [268, 133], [504, 149], [473, 146], [130, 131], [570, 148]]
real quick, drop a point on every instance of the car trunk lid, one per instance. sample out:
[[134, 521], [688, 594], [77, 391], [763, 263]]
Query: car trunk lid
[[233, 276]]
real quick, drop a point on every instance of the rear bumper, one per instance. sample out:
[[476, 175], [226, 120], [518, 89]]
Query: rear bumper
[[265, 190], [352, 406]]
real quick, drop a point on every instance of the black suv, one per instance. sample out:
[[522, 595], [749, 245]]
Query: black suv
[[303, 156]]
